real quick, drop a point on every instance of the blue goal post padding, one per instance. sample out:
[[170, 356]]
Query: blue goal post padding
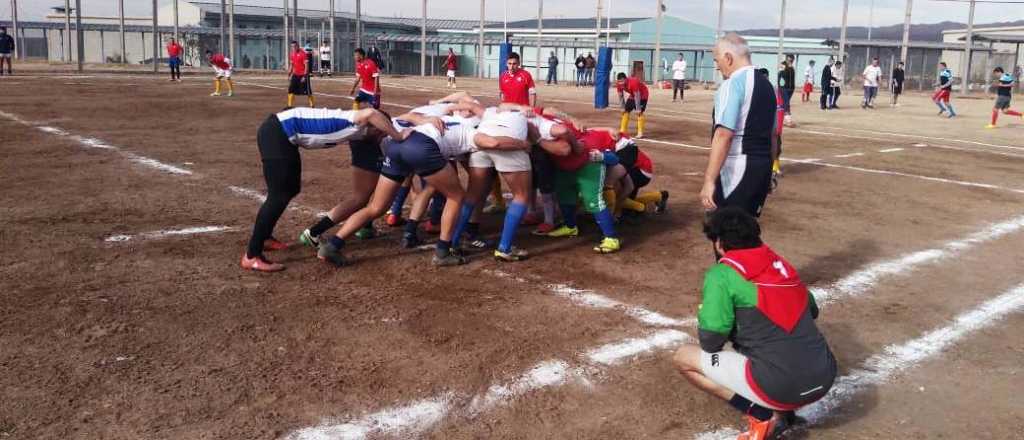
[[602, 77], [503, 50]]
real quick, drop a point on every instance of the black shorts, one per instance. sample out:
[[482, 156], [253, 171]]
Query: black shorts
[[897, 89], [325, 64], [416, 154], [639, 179], [366, 155], [298, 87], [543, 170], [631, 105], [627, 156], [751, 189]]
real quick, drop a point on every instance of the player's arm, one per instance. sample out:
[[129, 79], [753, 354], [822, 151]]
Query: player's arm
[[355, 85], [487, 142], [533, 91], [377, 119], [472, 107], [418, 119], [376, 82], [454, 97], [716, 316], [719, 149], [556, 147]]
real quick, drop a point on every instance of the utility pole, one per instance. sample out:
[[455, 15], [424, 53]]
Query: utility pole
[[334, 46], [231, 30], [285, 60], [782, 32], [78, 31], [223, 25], [359, 23], [295, 22], [608, 20], [175, 20], [906, 32], [480, 48], [67, 31], [656, 70], [423, 42], [120, 19], [504, 21], [968, 43], [597, 29], [842, 34], [871, 23], [540, 30], [14, 25], [156, 40]]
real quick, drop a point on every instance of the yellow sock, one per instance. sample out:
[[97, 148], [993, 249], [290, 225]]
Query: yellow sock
[[609, 200], [640, 119], [648, 197], [634, 205], [312, 101], [355, 105], [775, 166], [291, 100], [216, 86], [499, 198], [231, 86], [624, 123]]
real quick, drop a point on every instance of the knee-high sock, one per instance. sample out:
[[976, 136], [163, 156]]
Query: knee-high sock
[[649, 197], [547, 201], [513, 216], [437, 207], [949, 105], [291, 100], [496, 194], [609, 200], [312, 101], [231, 86], [995, 116], [606, 222], [634, 205], [216, 86], [942, 107], [460, 226], [624, 122], [399, 201], [355, 105], [1013, 113], [640, 120], [776, 166], [569, 214], [322, 225]]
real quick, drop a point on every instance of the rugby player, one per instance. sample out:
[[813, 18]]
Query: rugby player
[[222, 71], [944, 90], [367, 81], [298, 76], [637, 100], [1004, 90]]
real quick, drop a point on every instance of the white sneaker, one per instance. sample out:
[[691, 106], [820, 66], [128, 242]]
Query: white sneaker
[[215, 94]]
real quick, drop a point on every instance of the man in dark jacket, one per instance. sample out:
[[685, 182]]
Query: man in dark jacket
[[6, 49], [581, 69], [591, 64], [552, 68], [787, 82], [826, 84]]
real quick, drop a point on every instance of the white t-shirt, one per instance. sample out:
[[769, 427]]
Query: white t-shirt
[[457, 138], [679, 69], [872, 74], [837, 77], [809, 75], [325, 53]]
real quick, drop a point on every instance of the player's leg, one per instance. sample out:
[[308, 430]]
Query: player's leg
[[394, 215], [497, 199], [481, 178], [590, 180], [387, 185], [613, 188], [543, 180], [410, 235], [216, 85], [282, 172], [309, 92], [515, 167], [446, 181], [641, 119], [363, 183], [567, 194], [231, 85], [949, 105]]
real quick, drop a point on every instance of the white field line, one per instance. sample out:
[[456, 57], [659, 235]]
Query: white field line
[[155, 235], [890, 150], [841, 156], [856, 283], [324, 94], [896, 359], [260, 197], [913, 176], [591, 299], [918, 145]]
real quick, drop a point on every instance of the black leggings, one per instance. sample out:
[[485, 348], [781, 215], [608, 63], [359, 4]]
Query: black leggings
[[284, 179], [176, 70]]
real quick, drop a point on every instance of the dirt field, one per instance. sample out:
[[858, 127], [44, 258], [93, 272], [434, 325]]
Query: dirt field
[[906, 223]]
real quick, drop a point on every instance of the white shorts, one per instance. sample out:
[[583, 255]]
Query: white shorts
[[505, 161], [729, 369], [221, 73], [451, 74], [5, 55]]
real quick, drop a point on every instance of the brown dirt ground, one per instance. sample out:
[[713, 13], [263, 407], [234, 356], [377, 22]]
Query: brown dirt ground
[[169, 339]]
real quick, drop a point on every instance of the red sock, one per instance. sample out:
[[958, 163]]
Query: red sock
[[1013, 113], [995, 115]]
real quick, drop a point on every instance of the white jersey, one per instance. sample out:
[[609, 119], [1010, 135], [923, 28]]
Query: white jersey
[[679, 69], [436, 110], [457, 138], [809, 75], [872, 75], [314, 128], [325, 53]]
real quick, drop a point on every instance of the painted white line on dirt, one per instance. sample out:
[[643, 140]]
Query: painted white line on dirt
[[156, 164], [614, 353], [866, 278], [155, 235], [895, 359], [914, 176], [409, 419], [890, 150], [919, 145], [545, 374], [848, 155], [52, 130], [677, 144], [260, 197], [889, 133]]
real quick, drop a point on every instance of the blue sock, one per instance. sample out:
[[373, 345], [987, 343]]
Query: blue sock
[[437, 207], [443, 248], [513, 216], [569, 214], [337, 242], [606, 222], [460, 226], [399, 202], [941, 107], [951, 111]]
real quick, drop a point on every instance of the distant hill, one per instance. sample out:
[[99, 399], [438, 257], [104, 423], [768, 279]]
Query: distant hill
[[919, 32]]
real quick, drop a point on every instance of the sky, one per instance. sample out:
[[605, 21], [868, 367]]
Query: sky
[[739, 14]]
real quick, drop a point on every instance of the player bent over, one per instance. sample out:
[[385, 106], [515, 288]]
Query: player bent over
[[1003, 93], [279, 139], [221, 70], [637, 100], [755, 299]]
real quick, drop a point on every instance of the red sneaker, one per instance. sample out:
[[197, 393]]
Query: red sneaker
[[758, 430], [273, 244], [543, 229], [394, 220], [259, 264], [531, 219], [429, 226]]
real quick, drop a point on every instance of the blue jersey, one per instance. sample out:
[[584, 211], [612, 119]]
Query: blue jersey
[[319, 127], [946, 79], [1006, 81], [745, 104]]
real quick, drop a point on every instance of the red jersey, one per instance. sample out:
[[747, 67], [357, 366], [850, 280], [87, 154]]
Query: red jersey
[[590, 140], [644, 164], [637, 89], [450, 63], [368, 73], [620, 86], [298, 63], [517, 87], [219, 61], [174, 50]]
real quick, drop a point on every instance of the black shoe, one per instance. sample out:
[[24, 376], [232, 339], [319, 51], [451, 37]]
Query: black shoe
[[411, 240], [451, 259], [661, 206]]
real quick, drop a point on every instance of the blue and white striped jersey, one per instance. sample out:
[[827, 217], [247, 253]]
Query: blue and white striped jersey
[[745, 103], [314, 128]]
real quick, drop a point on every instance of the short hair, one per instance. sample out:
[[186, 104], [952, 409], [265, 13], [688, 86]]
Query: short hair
[[874, 59], [733, 228], [734, 43], [942, 63], [999, 69], [209, 52], [811, 63], [785, 63], [294, 42], [839, 63], [790, 56], [621, 75], [360, 51], [513, 56], [764, 71]]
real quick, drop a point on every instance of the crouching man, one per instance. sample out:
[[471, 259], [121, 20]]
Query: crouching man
[[755, 299]]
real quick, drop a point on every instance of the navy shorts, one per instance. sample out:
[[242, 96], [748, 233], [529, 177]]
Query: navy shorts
[[631, 105], [174, 61], [366, 155], [543, 170], [416, 154], [296, 85], [627, 155], [374, 100]]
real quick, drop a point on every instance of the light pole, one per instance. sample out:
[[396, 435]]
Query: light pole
[[656, 71], [782, 31], [120, 19], [480, 47], [156, 40], [67, 30], [423, 42], [906, 32], [967, 51], [540, 30], [842, 33]]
